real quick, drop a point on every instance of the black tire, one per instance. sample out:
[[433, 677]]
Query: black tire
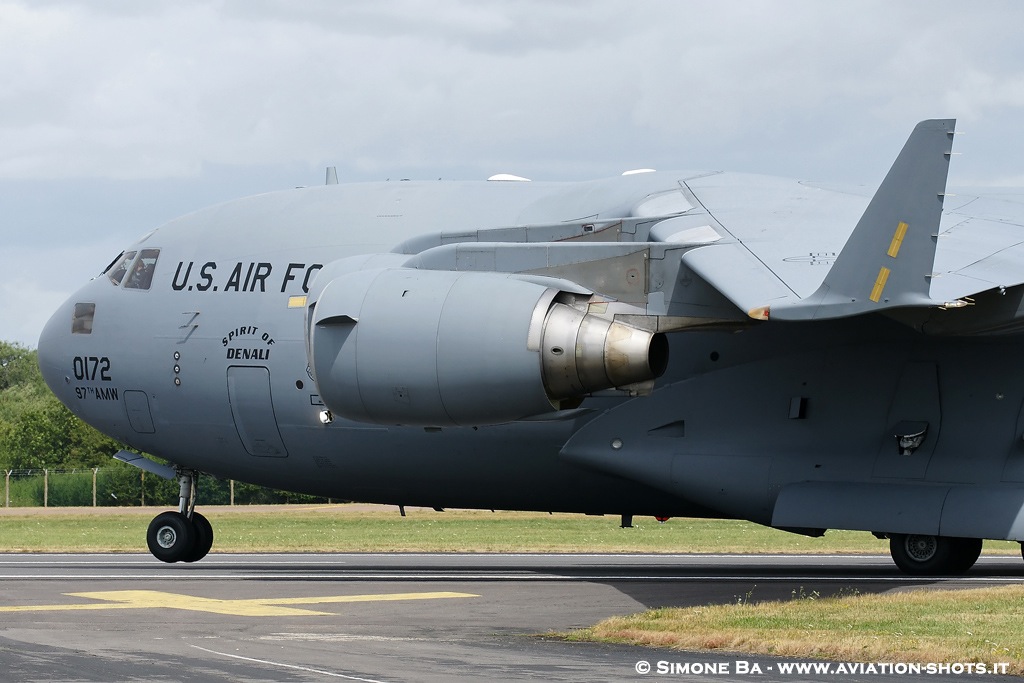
[[926, 555], [204, 538], [171, 536], [966, 552]]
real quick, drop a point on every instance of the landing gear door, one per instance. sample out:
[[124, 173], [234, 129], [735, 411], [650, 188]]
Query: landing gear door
[[253, 411]]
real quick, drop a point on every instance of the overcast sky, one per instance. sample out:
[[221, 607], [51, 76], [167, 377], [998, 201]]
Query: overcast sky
[[118, 116]]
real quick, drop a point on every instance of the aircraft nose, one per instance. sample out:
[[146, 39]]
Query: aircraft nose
[[52, 349]]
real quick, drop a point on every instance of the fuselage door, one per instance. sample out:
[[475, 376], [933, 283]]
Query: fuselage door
[[253, 411]]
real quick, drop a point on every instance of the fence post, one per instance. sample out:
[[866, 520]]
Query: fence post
[[7, 489], [231, 484], [143, 487], [46, 487], [94, 471]]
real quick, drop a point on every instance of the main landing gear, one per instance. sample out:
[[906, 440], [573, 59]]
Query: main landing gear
[[185, 535], [923, 555]]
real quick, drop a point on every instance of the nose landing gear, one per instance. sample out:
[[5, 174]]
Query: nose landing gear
[[185, 535]]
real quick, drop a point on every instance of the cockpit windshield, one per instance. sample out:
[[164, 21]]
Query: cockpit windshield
[[116, 270], [139, 270], [142, 272]]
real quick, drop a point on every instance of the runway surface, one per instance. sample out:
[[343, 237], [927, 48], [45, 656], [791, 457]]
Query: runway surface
[[393, 617]]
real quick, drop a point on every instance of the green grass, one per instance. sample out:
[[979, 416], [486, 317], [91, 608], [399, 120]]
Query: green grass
[[980, 625], [340, 528]]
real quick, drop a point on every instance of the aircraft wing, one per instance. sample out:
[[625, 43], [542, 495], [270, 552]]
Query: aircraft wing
[[780, 236], [981, 243], [788, 252], [887, 261]]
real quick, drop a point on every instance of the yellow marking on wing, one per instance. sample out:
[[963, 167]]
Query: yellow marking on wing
[[258, 607], [897, 239], [876, 293]]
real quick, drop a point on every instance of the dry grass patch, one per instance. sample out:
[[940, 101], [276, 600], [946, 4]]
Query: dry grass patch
[[978, 625]]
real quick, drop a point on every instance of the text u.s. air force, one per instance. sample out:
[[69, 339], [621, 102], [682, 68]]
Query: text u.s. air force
[[241, 276]]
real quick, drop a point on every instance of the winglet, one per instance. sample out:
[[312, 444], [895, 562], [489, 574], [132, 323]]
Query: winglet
[[888, 259]]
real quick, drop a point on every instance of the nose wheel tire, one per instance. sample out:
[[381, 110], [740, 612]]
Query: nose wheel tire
[[926, 555], [171, 536], [203, 538]]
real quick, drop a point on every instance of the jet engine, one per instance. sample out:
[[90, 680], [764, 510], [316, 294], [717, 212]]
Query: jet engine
[[436, 348]]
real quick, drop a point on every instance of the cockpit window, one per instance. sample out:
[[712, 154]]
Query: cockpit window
[[81, 323], [119, 267], [142, 271]]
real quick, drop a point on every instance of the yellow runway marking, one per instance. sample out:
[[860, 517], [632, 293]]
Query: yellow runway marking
[[258, 607]]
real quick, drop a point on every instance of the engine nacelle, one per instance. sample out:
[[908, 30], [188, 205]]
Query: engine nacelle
[[435, 348]]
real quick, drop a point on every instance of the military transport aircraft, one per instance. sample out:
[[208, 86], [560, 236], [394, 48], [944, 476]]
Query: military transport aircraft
[[705, 344]]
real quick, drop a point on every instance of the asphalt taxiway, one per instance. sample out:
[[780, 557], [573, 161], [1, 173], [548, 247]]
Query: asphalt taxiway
[[391, 617]]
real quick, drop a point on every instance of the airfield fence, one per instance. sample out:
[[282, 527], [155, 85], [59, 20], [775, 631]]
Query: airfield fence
[[128, 486]]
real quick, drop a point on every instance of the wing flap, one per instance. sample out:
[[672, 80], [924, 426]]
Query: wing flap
[[739, 275]]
